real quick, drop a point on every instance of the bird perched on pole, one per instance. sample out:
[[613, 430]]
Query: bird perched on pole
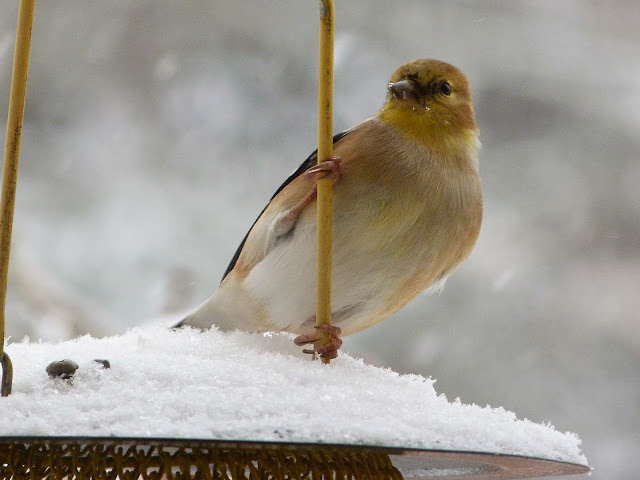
[[407, 212]]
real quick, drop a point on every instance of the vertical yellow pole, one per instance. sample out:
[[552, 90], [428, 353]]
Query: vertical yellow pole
[[10, 166], [325, 149]]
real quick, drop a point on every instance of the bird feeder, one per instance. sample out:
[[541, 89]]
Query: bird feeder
[[108, 457]]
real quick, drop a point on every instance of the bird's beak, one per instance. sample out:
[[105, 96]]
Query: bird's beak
[[405, 90]]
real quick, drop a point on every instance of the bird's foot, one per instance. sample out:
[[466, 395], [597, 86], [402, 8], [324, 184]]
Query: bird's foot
[[328, 350], [285, 222], [330, 168]]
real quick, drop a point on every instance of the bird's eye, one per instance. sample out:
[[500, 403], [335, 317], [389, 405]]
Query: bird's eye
[[445, 88]]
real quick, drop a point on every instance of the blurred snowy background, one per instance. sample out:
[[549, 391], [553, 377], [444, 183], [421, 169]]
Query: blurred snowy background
[[156, 130]]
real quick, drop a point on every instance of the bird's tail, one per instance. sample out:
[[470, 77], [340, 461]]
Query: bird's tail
[[228, 308], [181, 324], [206, 315], [193, 320]]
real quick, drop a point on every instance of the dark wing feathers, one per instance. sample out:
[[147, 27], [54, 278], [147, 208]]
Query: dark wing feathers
[[308, 163]]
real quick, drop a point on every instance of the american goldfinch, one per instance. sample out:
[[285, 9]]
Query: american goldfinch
[[407, 212]]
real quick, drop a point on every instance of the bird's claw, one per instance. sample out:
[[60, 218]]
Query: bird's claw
[[331, 330], [330, 168], [285, 222], [329, 350]]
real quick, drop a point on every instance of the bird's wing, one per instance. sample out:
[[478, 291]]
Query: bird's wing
[[308, 163]]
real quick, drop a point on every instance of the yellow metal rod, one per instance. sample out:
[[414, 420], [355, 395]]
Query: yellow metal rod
[[11, 159], [325, 150]]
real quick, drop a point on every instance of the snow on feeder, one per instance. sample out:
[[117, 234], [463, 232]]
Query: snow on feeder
[[154, 403]]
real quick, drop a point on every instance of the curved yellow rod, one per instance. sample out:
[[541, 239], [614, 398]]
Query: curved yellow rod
[[325, 150], [10, 167]]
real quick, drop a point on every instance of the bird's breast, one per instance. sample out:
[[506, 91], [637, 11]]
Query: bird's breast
[[400, 209]]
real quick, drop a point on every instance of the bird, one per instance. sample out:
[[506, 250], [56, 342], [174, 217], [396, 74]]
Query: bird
[[407, 211]]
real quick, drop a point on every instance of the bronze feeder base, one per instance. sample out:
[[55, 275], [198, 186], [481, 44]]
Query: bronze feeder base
[[108, 458]]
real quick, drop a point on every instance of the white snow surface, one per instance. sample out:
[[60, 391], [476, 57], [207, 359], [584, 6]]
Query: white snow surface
[[243, 386]]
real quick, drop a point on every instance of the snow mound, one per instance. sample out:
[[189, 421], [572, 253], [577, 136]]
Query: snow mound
[[243, 386]]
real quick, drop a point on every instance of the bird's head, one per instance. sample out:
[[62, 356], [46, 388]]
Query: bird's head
[[430, 100]]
